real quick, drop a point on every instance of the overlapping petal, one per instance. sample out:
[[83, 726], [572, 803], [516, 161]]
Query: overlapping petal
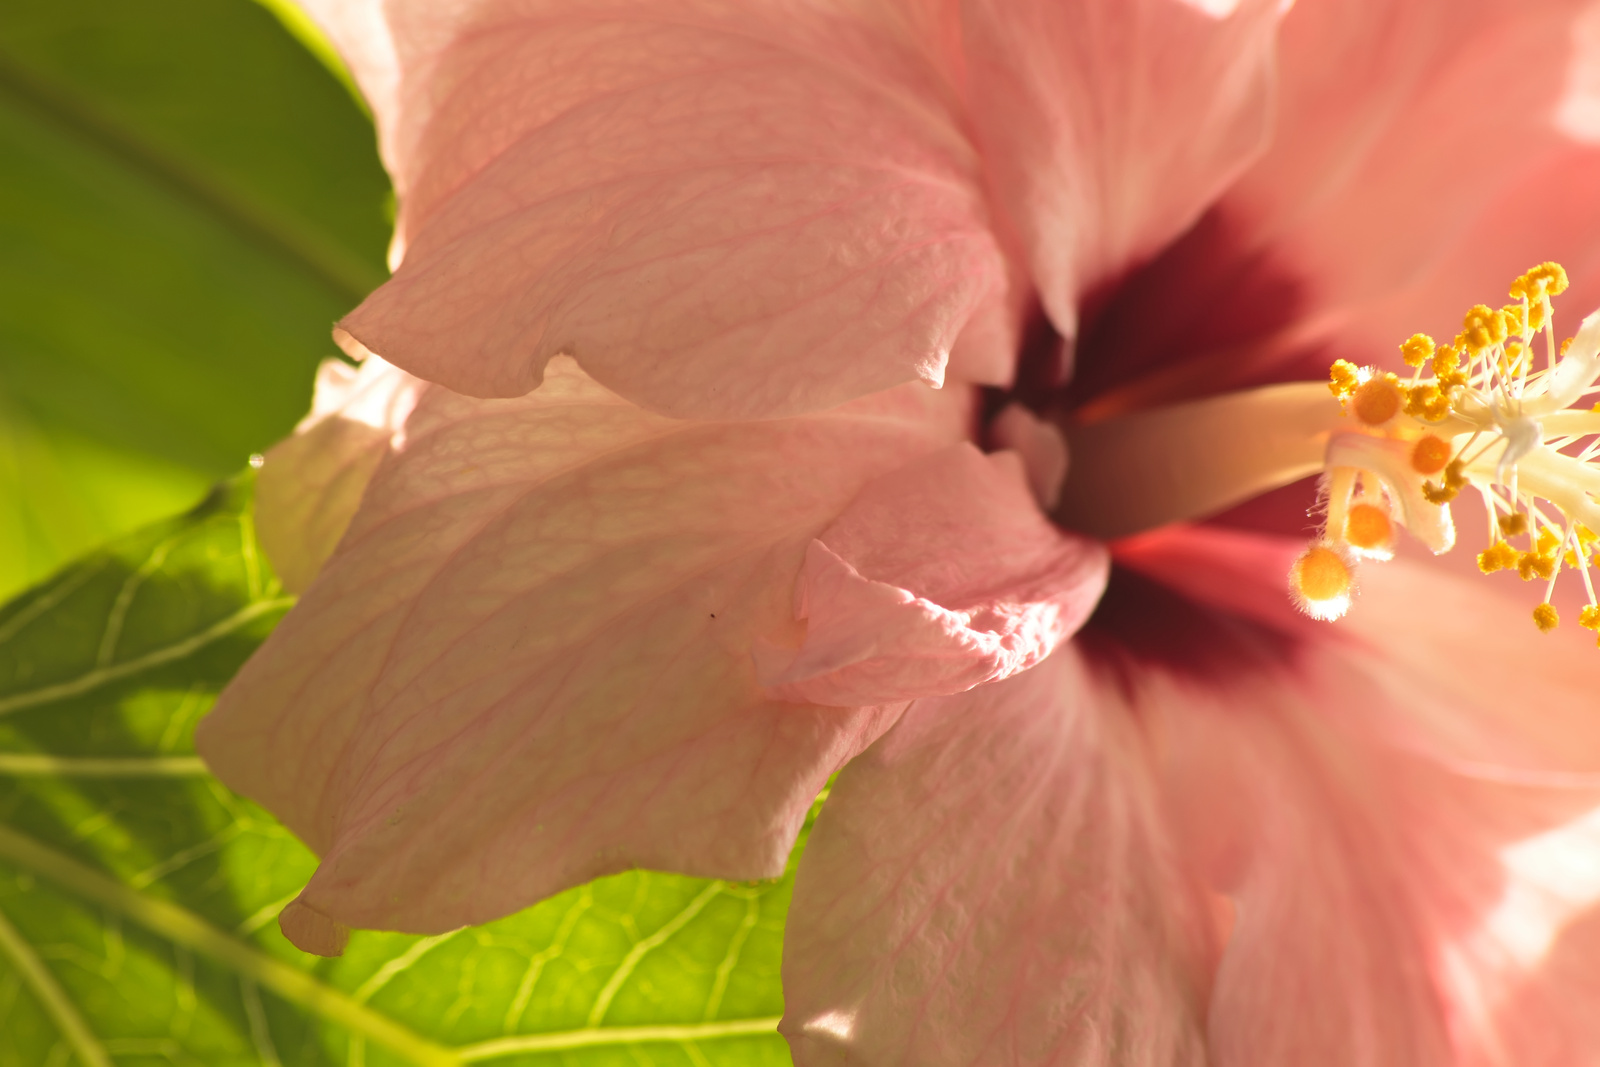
[[311, 484], [1385, 139], [528, 663], [940, 576], [718, 208], [1108, 127], [727, 209], [991, 883], [1401, 186]]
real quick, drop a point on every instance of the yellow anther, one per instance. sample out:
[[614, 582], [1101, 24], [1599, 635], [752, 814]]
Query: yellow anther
[[1483, 326], [1321, 580], [1447, 367], [1547, 279], [1531, 565], [1430, 455], [1368, 527], [1442, 493], [1513, 316], [1416, 349], [1492, 391], [1343, 379], [1427, 402], [1498, 557], [1378, 399]]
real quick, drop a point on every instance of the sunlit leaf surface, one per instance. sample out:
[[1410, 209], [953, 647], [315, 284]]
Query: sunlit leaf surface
[[138, 896], [188, 199]]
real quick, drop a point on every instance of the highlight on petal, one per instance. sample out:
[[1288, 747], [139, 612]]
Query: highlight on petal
[[991, 883], [1578, 113], [1382, 808], [528, 662], [719, 209], [940, 576], [311, 484], [1110, 125]]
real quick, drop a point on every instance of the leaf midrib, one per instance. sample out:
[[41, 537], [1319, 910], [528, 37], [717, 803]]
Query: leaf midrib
[[275, 231], [183, 927]]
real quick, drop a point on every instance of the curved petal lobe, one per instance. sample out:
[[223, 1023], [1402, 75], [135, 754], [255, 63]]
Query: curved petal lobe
[[527, 664], [940, 576], [719, 209]]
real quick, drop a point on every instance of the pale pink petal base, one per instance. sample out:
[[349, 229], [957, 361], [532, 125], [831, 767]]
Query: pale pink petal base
[[990, 884], [311, 484], [527, 664], [940, 576]]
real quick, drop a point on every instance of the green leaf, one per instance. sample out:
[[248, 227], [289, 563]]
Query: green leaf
[[188, 200], [137, 895]]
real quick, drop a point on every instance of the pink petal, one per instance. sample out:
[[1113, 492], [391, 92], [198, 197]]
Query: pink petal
[[1402, 812], [940, 576], [1383, 206], [311, 484], [1109, 125], [990, 883], [528, 665], [719, 209], [1368, 191], [1382, 107]]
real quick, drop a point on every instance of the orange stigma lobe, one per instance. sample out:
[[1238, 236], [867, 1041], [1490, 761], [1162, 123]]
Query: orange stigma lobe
[[1430, 455], [1321, 580], [1377, 400], [1369, 527]]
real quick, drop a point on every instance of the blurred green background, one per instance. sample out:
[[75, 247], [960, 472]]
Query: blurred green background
[[189, 198]]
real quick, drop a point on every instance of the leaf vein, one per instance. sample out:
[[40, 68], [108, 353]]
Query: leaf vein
[[177, 650], [44, 985], [644, 947], [190, 931]]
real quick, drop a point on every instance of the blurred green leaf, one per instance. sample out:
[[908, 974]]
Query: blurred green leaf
[[137, 895], [188, 199]]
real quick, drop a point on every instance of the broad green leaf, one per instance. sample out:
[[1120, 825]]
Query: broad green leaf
[[138, 896], [188, 199]]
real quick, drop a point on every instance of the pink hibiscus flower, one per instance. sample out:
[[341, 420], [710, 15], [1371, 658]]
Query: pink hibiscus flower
[[649, 520]]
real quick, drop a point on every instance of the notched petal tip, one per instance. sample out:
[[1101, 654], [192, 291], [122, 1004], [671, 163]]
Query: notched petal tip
[[729, 254], [311, 931]]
